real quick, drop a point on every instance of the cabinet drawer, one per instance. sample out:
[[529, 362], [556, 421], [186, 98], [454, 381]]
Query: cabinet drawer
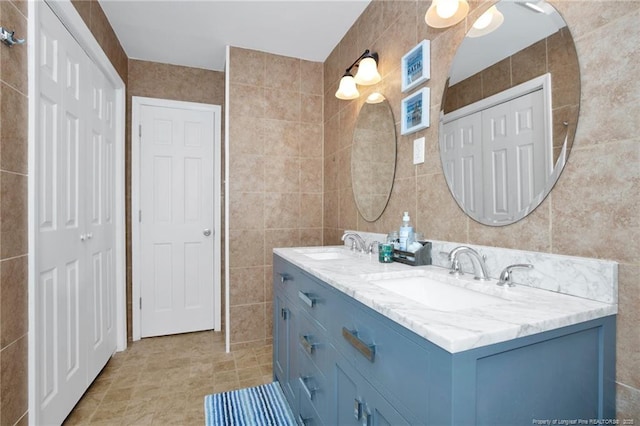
[[394, 363], [313, 386], [314, 342], [286, 278]]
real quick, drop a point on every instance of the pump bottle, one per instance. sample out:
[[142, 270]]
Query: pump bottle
[[406, 232]]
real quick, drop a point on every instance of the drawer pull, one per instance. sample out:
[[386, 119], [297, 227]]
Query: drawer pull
[[357, 409], [284, 277], [307, 298], [369, 351], [284, 313], [307, 390], [303, 420], [306, 343]]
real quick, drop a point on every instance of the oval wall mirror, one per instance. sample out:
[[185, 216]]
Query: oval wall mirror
[[373, 159], [509, 111]]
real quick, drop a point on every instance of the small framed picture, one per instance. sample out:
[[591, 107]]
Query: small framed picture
[[416, 66], [415, 112]]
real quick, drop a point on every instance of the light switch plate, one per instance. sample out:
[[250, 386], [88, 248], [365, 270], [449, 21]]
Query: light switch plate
[[418, 151]]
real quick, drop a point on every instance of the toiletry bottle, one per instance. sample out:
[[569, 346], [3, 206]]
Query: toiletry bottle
[[406, 232]]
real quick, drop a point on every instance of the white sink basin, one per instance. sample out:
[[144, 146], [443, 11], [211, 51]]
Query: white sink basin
[[326, 256], [437, 295], [325, 253]]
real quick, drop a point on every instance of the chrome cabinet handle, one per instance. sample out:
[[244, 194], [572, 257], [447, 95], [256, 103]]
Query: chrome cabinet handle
[[306, 343], [307, 298], [307, 390], [89, 236], [303, 420], [206, 232], [368, 351], [284, 277], [357, 409], [82, 237]]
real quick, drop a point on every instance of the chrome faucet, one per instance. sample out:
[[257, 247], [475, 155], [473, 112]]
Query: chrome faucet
[[480, 271], [358, 242]]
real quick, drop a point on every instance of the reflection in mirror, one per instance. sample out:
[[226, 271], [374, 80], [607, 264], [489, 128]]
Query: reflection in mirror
[[509, 113], [373, 158]]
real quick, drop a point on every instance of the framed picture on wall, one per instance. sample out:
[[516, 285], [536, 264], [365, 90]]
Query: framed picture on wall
[[415, 111], [416, 66]]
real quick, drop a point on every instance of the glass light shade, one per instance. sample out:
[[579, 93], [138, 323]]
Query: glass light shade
[[347, 89], [435, 19], [486, 23], [375, 98], [367, 72], [446, 8]]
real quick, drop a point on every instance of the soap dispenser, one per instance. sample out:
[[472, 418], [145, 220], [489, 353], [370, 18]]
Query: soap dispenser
[[406, 232]]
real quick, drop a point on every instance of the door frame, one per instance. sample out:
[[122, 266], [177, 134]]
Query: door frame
[[70, 18], [136, 103]]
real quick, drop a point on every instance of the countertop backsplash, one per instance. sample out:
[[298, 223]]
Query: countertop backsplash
[[584, 277]]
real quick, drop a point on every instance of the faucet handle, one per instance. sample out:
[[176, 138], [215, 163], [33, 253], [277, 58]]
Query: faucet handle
[[505, 275], [372, 246], [455, 268]]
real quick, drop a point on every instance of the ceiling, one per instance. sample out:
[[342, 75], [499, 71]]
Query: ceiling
[[195, 33]]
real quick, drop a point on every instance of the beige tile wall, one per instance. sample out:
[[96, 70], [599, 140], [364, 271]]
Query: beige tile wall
[[14, 323], [275, 177], [164, 81], [593, 210]]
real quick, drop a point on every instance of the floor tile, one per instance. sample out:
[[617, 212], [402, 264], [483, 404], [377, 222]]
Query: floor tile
[[163, 380]]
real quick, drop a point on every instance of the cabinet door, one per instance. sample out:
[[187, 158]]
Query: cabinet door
[[357, 401], [280, 339]]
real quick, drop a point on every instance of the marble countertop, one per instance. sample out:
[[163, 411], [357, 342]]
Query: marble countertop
[[522, 311]]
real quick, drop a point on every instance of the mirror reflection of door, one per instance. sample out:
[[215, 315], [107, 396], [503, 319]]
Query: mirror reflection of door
[[498, 152], [528, 44]]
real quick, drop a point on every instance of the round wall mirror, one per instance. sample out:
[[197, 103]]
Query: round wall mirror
[[373, 158], [509, 111]]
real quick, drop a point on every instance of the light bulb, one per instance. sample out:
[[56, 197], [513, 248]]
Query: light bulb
[[446, 8]]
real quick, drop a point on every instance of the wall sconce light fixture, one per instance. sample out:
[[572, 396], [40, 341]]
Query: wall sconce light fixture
[[486, 23], [367, 75], [445, 13], [6, 37]]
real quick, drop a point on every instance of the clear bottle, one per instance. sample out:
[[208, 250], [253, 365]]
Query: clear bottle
[[394, 238], [406, 232]]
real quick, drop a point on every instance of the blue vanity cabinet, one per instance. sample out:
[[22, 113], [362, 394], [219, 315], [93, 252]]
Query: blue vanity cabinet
[[340, 363]]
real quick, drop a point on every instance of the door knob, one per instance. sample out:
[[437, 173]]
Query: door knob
[[207, 232]]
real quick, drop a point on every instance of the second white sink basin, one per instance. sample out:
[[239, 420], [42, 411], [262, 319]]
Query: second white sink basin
[[437, 295]]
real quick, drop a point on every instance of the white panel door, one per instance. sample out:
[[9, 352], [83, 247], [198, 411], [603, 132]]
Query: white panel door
[[462, 160], [66, 234], [61, 357], [100, 230], [177, 218], [514, 164]]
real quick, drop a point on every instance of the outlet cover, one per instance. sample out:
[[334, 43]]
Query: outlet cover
[[418, 151]]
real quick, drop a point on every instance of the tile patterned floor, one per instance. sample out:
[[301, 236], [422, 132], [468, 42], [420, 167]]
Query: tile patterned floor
[[163, 380]]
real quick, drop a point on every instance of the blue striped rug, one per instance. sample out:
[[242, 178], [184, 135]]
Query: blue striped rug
[[262, 405]]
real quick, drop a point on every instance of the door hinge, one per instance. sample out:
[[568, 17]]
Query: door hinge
[[141, 303], [140, 130], [139, 215]]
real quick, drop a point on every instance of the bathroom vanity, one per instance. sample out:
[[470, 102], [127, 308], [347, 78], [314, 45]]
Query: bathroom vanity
[[351, 348]]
